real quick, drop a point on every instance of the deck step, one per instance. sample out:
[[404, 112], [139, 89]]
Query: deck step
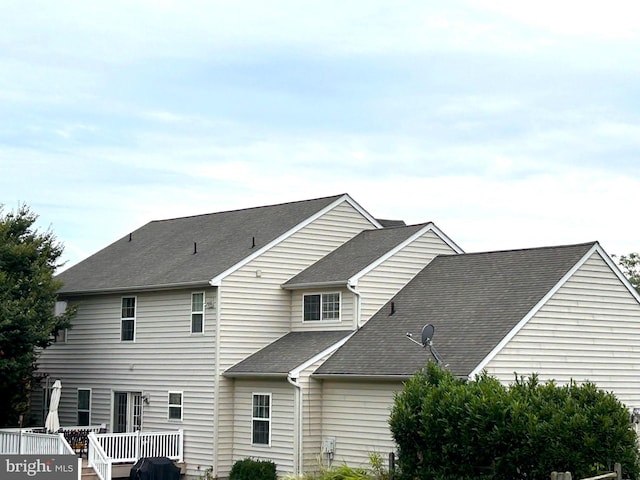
[[89, 473]]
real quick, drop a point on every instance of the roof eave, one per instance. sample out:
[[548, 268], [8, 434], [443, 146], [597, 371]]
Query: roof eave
[[360, 376], [134, 288], [307, 285], [282, 375]]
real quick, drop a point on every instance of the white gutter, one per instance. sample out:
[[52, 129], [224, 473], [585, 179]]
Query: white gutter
[[297, 423], [216, 387], [293, 378], [358, 309]]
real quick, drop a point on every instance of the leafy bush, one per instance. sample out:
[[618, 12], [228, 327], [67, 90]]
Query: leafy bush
[[250, 469], [447, 428], [376, 471]]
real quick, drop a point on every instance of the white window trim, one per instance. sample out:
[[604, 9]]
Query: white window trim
[[78, 401], [331, 320], [175, 405], [268, 420], [59, 309], [134, 318], [204, 302]]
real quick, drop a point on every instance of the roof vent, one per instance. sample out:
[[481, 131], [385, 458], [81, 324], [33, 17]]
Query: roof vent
[[253, 242], [195, 248], [393, 308]]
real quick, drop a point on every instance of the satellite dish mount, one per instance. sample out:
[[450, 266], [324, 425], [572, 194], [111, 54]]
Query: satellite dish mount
[[427, 336]]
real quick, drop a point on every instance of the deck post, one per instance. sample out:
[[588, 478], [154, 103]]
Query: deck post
[[137, 445]]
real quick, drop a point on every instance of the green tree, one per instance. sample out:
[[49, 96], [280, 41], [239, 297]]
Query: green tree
[[447, 428], [28, 293], [630, 266]]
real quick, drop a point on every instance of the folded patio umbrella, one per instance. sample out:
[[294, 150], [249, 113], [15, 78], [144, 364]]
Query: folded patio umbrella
[[52, 424]]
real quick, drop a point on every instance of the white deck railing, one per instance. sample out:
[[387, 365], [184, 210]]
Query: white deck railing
[[29, 443], [130, 447], [104, 449], [22, 442], [98, 459]]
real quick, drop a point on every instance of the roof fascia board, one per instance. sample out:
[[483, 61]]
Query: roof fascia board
[[478, 369], [353, 281], [361, 210], [446, 239], [616, 270], [295, 373], [216, 281]]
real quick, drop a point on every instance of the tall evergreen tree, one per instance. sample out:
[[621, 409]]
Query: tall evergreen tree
[[28, 292]]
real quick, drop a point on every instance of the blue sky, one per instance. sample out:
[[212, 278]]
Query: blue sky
[[508, 124]]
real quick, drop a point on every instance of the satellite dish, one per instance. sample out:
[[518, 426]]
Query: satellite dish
[[427, 334]]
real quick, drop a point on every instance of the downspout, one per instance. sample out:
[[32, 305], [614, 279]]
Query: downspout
[[297, 438], [216, 388], [358, 309]]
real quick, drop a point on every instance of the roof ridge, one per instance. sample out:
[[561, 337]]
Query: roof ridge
[[525, 249], [247, 208]]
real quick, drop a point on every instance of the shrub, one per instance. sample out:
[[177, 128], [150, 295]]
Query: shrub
[[447, 428], [251, 469]]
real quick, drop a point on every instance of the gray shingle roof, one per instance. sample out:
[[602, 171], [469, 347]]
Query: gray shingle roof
[[286, 353], [352, 257], [473, 301], [161, 253]]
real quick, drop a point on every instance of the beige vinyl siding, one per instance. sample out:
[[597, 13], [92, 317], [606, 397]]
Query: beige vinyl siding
[[588, 330], [282, 423], [255, 309], [312, 417], [385, 280], [347, 314], [164, 357], [356, 414]]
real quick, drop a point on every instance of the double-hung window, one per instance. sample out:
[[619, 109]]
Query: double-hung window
[[318, 307], [197, 312], [261, 419], [175, 405], [128, 319], [84, 406]]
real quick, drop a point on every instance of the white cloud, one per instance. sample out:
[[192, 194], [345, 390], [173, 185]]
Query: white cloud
[[509, 124], [615, 19]]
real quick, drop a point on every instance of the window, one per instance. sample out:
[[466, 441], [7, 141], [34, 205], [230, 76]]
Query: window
[[128, 319], [84, 406], [197, 312], [261, 419], [175, 405], [60, 309], [324, 306]]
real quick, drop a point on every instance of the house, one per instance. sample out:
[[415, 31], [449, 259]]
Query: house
[[563, 312], [279, 332], [170, 318]]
